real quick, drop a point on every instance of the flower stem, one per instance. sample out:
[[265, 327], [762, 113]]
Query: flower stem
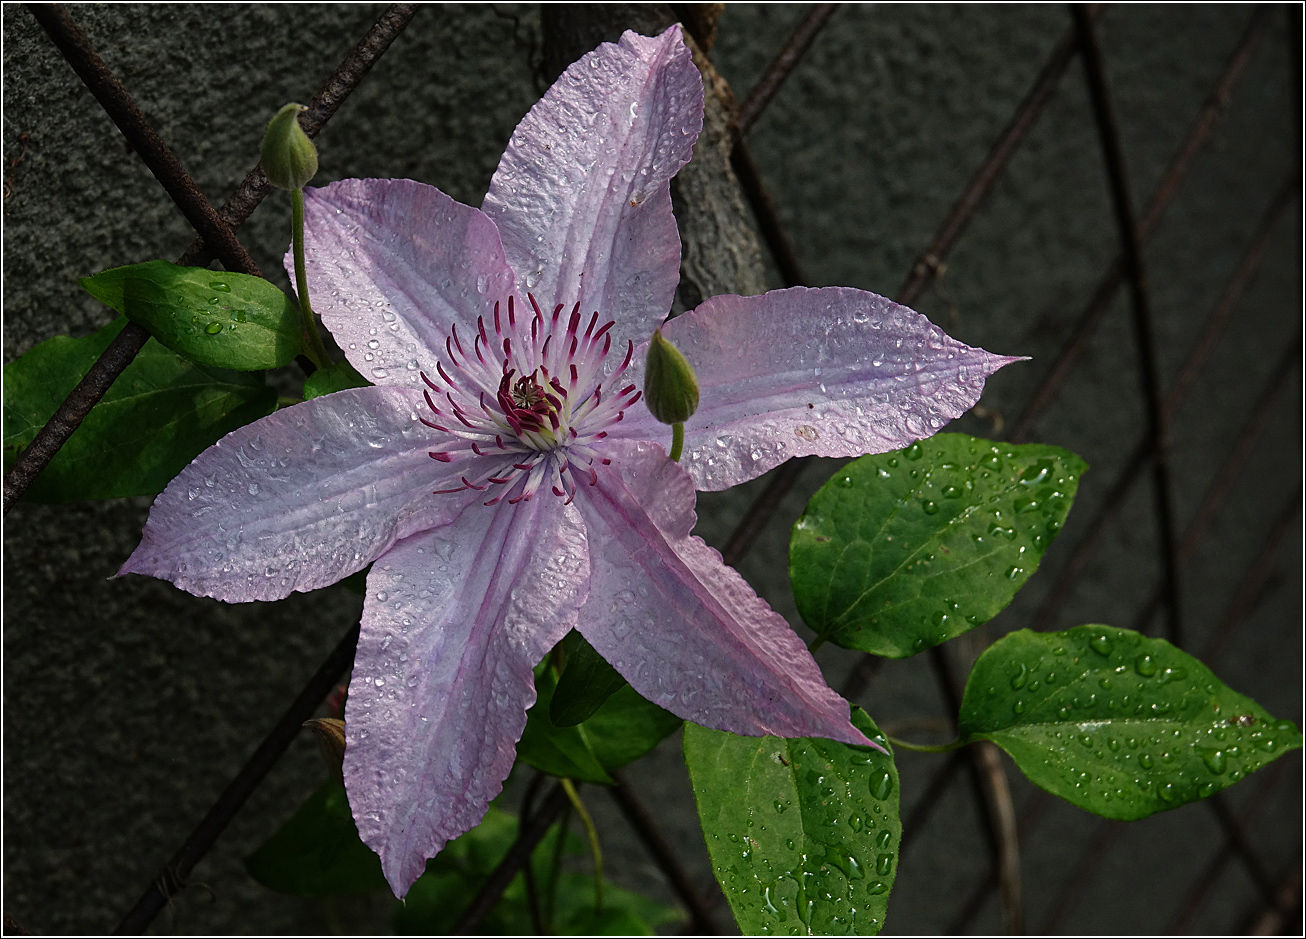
[[313, 346], [593, 834], [677, 441], [929, 748], [816, 644]]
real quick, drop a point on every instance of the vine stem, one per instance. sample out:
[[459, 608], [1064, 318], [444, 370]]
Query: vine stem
[[677, 441], [314, 349], [593, 835], [929, 748]]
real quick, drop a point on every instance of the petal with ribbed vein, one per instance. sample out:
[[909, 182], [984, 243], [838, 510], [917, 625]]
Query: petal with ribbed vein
[[301, 498], [453, 623], [685, 630], [582, 195], [833, 371], [392, 266]]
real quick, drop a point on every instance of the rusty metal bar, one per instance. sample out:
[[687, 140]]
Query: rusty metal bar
[[1229, 470], [762, 93], [529, 835], [1119, 489], [702, 921], [1202, 887], [173, 877], [922, 272], [1164, 193], [1022, 120], [120, 353], [149, 146]]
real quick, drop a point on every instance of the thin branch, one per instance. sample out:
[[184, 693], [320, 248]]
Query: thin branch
[[998, 800], [70, 414]]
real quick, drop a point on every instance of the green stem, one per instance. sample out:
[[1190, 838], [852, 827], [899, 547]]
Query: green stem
[[677, 441], [593, 834], [313, 348], [929, 748], [816, 644]]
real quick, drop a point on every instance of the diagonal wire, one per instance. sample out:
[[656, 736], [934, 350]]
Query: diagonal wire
[[780, 67], [701, 919], [1165, 191], [120, 353], [1142, 451], [172, 879], [518, 856], [1113, 156], [1197, 135], [149, 146], [1206, 881]]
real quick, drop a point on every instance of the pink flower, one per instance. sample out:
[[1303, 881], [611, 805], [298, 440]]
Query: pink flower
[[503, 475]]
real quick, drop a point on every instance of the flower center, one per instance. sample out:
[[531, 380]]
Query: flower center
[[527, 405]]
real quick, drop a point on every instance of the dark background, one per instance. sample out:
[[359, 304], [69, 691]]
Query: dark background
[[129, 705]]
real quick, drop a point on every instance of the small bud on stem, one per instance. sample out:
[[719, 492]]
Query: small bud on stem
[[288, 156], [670, 388]]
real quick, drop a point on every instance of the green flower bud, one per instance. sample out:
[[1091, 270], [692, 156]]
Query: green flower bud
[[289, 157], [670, 387]]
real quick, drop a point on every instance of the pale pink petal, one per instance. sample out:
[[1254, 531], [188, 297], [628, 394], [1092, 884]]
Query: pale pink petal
[[455, 619], [392, 265], [582, 196], [687, 632], [832, 371], [301, 498]]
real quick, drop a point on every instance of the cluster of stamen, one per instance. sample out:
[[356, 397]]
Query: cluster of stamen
[[529, 398]]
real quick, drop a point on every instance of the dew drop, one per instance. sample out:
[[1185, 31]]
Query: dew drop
[[213, 328], [1100, 644], [1145, 665]]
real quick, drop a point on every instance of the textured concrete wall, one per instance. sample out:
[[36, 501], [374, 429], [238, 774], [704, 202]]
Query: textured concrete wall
[[128, 705]]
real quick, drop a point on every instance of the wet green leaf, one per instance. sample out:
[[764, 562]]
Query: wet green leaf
[[1115, 722], [215, 318], [804, 834], [318, 853], [587, 681], [901, 551], [335, 377], [160, 414]]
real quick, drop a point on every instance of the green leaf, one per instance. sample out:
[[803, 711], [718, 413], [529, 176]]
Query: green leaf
[[803, 834], [901, 551], [452, 878], [318, 853], [586, 682], [623, 729], [160, 414], [336, 377], [215, 318], [560, 751], [1115, 722]]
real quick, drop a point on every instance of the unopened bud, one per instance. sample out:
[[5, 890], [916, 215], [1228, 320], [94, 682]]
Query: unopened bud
[[288, 156], [670, 387], [331, 740]]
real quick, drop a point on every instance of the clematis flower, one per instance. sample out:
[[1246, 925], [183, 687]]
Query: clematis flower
[[503, 477]]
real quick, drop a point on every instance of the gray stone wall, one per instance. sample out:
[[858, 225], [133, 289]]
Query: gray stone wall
[[129, 705]]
